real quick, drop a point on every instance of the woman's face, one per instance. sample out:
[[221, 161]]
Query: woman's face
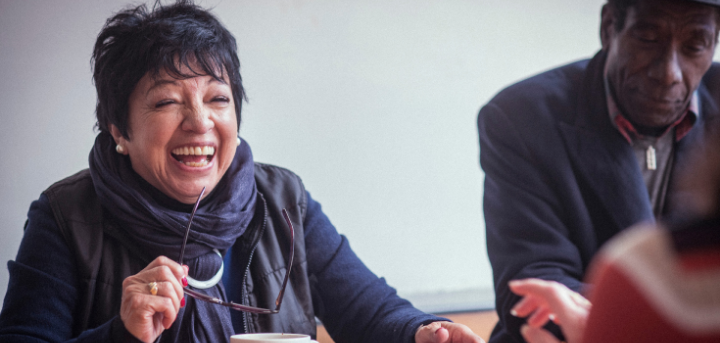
[[181, 133]]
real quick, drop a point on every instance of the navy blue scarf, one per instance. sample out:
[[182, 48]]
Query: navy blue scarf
[[153, 224]]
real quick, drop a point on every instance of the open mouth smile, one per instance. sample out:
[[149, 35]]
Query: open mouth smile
[[197, 156]]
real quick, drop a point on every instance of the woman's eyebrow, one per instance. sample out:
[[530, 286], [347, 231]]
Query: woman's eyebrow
[[218, 80], [160, 82]]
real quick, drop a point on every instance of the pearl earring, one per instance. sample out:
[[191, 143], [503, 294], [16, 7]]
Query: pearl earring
[[119, 148], [238, 140]]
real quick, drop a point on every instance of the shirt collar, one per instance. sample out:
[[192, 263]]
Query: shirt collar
[[682, 126]]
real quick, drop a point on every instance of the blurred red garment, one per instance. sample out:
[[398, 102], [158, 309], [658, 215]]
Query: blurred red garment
[[657, 285]]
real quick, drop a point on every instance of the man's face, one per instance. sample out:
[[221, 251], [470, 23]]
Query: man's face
[[657, 60]]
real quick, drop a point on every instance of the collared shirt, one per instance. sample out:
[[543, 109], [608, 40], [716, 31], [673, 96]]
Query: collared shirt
[[655, 155]]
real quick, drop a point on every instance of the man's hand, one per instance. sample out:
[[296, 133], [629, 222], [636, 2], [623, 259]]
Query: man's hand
[[549, 300], [446, 332]]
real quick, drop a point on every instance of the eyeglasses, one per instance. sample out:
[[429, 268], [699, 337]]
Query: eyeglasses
[[239, 307]]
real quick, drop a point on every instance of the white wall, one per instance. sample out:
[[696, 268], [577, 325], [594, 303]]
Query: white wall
[[373, 103]]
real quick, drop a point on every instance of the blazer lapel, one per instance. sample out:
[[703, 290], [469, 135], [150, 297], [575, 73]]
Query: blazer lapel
[[608, 167], [602, 157]]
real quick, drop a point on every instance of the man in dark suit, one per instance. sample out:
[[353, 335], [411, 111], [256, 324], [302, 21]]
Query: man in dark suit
[[576, 154]]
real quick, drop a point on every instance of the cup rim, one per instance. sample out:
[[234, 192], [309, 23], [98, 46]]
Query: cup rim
[[280, 337]]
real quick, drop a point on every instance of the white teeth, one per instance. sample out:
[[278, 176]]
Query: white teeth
[[206, 150], [196, 164]]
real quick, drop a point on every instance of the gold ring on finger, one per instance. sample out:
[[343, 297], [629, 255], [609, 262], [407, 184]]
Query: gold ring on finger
[[153, 288]]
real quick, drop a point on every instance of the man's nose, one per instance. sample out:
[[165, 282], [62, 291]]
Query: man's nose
[[666, 67]]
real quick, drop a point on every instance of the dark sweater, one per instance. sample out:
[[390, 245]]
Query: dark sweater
[[353, 303]]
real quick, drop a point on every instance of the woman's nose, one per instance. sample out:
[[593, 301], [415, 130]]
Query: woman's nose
[[197, 119]]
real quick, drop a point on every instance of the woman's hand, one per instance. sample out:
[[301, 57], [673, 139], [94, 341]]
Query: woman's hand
[[146, 315], [549, 300], [446, 332]]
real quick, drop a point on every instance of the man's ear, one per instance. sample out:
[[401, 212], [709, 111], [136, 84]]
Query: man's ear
[[607, 26], [121, 141]]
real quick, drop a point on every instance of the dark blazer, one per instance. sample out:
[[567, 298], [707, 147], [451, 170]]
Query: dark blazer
[[560, 180]]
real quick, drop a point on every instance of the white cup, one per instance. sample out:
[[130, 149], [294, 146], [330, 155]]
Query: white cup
[[270, 338]]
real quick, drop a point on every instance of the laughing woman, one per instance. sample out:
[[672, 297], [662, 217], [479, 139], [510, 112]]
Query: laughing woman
[[99, 258]]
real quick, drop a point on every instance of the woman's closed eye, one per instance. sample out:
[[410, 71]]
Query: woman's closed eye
[[221, 98], [165, 102]]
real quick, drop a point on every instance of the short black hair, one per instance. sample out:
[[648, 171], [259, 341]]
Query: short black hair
[[137, 41], [620, 9]]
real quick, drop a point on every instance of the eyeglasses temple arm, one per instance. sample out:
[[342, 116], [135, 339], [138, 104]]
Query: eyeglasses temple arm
[[187, 230], [279, 299]]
